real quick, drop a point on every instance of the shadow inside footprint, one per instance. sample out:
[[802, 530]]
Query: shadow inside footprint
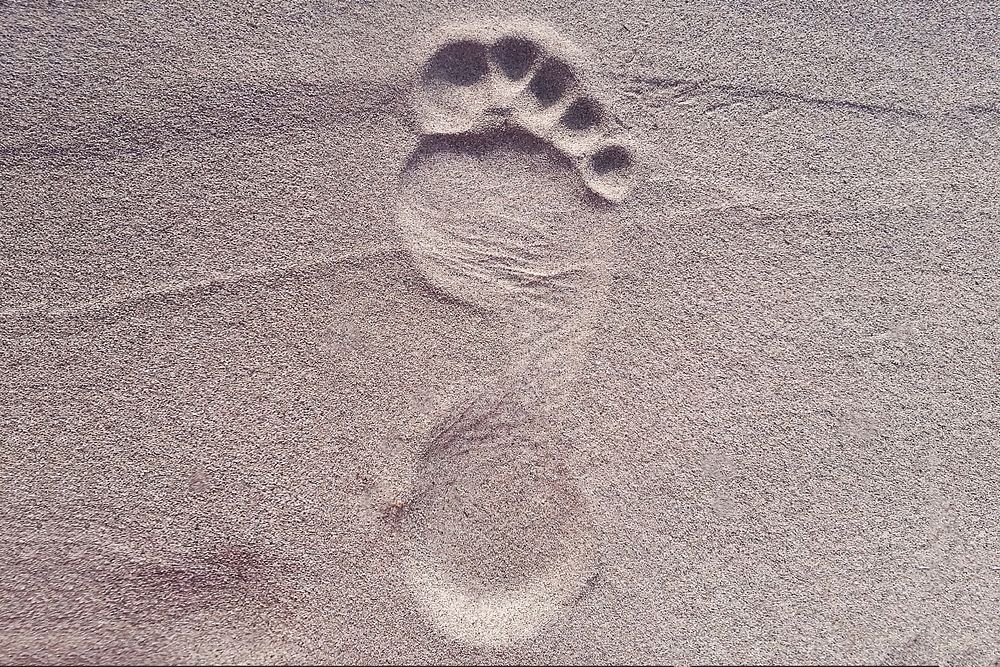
[[551, 82], [475, 85], [610, 159], [459, 63], [514, 56], [583, 114]]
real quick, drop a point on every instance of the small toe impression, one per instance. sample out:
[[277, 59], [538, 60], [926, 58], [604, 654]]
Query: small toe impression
[[610, 168], [551, 82], [609, 160], [514, 57], [582, 115], [459, 63]]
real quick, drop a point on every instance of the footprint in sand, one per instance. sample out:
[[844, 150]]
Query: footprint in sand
[[505, 206]]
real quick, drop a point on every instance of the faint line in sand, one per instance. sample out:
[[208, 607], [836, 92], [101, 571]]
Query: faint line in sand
[[170, 287]]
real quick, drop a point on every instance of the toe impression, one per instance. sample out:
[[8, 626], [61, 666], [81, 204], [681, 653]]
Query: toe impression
[[479, 81]]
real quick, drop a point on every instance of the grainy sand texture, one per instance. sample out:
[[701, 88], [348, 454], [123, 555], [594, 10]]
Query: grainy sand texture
[[476, 332]]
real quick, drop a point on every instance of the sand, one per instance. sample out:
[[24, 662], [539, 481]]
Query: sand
[[541, 332]]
